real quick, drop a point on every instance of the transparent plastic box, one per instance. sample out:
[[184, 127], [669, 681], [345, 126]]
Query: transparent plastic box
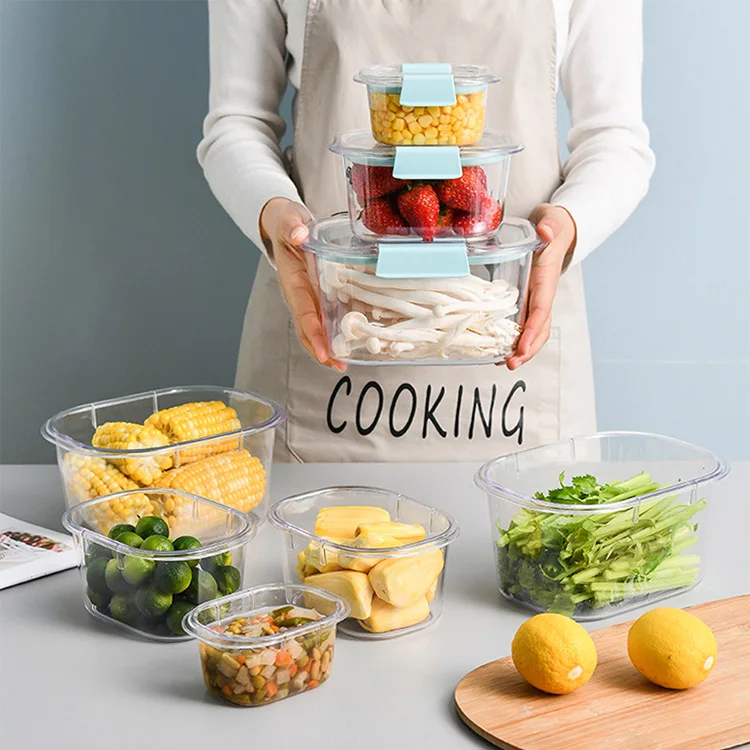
[[393, 588], [382, 206], [256, 671], [459, 121], [591, 560], [149, 591], [376, 319], [222, 449]]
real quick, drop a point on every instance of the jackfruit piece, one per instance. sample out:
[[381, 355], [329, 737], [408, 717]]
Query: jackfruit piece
[[342, 521], [403, 581], [301, 573], [430, 595], [366, 541], [384, 617], [406, 533], [322, 558], [351, 585]]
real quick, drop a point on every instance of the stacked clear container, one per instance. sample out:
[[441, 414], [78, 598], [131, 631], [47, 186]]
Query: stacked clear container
[[212, 442], [427, 269]]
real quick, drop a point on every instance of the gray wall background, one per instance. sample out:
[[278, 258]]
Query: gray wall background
[[120, 272]]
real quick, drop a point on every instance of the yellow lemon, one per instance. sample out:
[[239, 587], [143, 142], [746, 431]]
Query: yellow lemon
[[672, 648], [554, 653]]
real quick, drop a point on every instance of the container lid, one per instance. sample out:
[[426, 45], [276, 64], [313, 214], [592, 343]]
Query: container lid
[[464, 76], [334, 240], [360, 147]]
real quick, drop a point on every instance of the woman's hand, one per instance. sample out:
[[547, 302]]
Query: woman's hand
[[283, 223], [556, 226]]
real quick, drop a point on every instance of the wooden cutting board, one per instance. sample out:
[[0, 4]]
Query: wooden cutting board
[[618, 708]]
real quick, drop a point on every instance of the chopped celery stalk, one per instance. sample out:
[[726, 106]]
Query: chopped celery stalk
[[564, 562]]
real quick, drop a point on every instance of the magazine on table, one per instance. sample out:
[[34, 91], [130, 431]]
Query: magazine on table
[[28, 551]]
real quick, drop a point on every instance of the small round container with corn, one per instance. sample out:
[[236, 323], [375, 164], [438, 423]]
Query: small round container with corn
[[384, 553], [432, 104], [267, 643], [169, 552], [212, 442]]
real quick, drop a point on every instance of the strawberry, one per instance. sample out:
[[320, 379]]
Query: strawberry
[[486, 220], [445, 221], [420, 206], [382, 217], [465, 192], [374, 182]]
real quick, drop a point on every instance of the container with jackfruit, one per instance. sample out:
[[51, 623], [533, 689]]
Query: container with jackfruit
[[212, 442], [383, 552]]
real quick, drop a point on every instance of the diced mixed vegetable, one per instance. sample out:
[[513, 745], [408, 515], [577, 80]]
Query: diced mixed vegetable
[[385, 593], [259, 674], [567, 563]]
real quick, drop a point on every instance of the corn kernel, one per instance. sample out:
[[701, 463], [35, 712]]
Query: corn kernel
[[411, 117], [419, 139], [399, 124], [418, 111], [431, 134], [397, 138], [434, 111], [425, 121], [415, 127], [393, 107], [462, 99], [447, 110], [445, 119], [407, 136], [444, 128], [390, 117], [459, 113], [431, 142], [407, 109]]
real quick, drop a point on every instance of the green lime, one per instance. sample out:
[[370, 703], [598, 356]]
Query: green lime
[[157, 543], [227, 579], [152, 526], [115, 582], [96, 551], [202, 588], [122, 608], [225, 558], [152, 602], [185, 543], [130, 538], [176, 613], [137, 570], [173, 577], [100, 599], [120, 528], [96, 575]]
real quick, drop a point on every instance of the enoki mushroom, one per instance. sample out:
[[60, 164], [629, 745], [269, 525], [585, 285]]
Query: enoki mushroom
[[414, 319]]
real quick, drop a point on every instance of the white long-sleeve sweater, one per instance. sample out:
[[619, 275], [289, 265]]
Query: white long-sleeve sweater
[[257, 45]]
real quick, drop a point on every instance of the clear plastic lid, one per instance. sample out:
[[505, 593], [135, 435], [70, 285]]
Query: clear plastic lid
[[465, 77], [334, 240], [360, 147]]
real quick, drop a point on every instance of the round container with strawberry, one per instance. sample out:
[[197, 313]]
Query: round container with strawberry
[[383, 206]]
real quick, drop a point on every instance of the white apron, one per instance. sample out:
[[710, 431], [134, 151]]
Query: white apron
[[440, 413]]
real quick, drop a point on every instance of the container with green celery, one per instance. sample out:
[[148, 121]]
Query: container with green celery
[[610, 536]]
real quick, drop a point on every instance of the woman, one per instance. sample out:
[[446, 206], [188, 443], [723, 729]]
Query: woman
[[592, 49]]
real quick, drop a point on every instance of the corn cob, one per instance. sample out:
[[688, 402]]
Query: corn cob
[[127, 436], [196, 420], [87, 478], [235, 479]]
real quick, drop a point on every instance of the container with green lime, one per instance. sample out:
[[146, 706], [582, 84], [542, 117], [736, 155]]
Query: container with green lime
[[148, 571]]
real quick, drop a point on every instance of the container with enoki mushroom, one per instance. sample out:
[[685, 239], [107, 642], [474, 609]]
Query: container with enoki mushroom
[[443, 302]]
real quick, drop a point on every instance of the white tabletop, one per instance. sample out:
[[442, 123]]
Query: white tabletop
[[69, 681]]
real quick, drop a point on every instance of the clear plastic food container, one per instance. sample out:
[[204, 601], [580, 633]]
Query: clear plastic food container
[[444, 302], [212, 442], [428, 104], [596, 525], [383, 552], [168, 552], [267, 643], [435, 192]]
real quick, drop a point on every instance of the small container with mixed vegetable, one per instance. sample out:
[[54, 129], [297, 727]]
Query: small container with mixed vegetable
[[147, 572], [268, 643], [593, 543]]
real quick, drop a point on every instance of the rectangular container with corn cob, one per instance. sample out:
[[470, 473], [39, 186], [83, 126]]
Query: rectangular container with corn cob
[[212, 442], [381, 551]]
